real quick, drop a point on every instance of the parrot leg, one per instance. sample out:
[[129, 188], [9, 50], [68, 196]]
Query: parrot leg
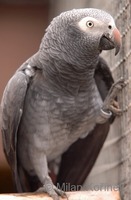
[[51, 189], [110, 105], [41, 170]]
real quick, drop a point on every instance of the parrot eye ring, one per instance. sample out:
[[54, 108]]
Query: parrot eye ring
[[89, 24]]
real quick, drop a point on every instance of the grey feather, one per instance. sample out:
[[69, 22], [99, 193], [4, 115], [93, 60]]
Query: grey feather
[[52, 100]]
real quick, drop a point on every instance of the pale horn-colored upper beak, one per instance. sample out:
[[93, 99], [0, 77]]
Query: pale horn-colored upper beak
[[116, 38], [111, 40]]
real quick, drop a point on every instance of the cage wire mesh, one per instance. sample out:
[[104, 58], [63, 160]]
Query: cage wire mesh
[[120, 143], [122, 67]]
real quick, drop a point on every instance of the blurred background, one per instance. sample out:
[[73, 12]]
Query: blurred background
[[22, 25]]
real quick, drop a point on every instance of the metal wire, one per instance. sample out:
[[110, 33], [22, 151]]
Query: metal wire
[[123, 65]]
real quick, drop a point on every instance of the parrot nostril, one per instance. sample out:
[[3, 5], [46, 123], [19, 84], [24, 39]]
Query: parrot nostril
[[110, 27]]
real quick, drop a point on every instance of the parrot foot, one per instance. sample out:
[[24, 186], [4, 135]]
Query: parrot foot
[[110, 105], [51, 190]]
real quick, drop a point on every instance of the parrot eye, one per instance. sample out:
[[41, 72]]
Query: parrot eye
[[110, 27], [89, 24]]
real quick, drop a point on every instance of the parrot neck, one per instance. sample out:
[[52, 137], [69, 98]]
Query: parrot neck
[[68, 77]]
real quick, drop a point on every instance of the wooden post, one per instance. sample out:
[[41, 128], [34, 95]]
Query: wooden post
[[82, 195]]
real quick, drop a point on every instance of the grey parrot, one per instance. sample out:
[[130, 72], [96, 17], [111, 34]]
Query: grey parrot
[[75, 173], [53, 99]]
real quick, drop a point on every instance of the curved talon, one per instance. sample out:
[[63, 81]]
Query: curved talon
[[60, 192], [115, 110], [125, 109], [110, 104], [52, 191], [120, 81], [115, 104], [118, 85]]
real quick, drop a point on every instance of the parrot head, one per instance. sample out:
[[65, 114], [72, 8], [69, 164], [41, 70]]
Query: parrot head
[[81, 33], [102, 30]]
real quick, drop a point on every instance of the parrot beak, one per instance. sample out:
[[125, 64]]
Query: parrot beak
[[116, 38], [111, 40]]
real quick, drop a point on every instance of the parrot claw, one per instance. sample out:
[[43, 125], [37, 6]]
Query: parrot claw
[[110, 105], [60, 192], [51, 190]]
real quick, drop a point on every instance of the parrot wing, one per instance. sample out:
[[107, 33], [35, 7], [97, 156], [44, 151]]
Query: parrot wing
[[79, 159], [11, 112]]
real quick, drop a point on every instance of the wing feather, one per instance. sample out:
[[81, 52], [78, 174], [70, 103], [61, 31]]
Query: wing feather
[[11, 112]]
